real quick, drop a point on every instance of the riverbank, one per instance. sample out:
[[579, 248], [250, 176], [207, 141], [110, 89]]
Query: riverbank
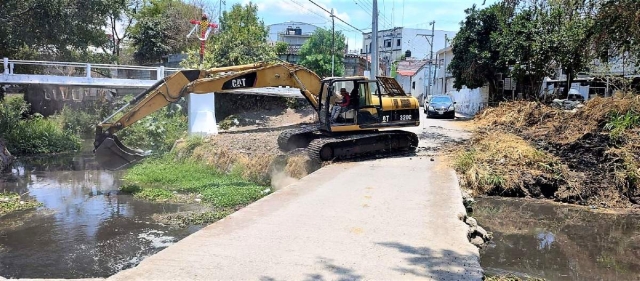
[[588, 156]]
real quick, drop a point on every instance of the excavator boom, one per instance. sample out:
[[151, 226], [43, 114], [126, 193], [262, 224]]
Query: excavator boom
[[113, 154]]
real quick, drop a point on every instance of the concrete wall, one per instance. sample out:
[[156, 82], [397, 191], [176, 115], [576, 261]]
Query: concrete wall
[[469, 102]]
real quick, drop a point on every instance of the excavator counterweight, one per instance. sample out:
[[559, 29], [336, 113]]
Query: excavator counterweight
[[347, 130]]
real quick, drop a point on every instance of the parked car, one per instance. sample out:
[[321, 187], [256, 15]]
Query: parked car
[[440, 106]]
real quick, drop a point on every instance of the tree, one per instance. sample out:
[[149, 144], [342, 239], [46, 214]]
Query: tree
[[476, 57], [523, 43], [617, 29], [242, 39], [122, 14], [161, 28], [316, 53], [150, 41], [572, 33], [60, 29]]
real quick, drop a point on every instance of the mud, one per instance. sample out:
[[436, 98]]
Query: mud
[[558, 241]]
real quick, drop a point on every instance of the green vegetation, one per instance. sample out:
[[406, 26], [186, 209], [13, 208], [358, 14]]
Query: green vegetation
[[529, 40], [242, 39], [34, 134], [316, 53], [158, 131], [11, 202], [168, 179], [620, 122]]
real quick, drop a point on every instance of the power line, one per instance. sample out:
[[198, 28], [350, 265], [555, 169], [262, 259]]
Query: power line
[[310, 11], [314, 3], [363, 8]]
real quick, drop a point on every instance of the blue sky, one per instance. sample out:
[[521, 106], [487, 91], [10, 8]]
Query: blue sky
[[407, 13]]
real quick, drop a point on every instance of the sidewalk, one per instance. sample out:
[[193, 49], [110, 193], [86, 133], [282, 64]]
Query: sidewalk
[[388, 219]]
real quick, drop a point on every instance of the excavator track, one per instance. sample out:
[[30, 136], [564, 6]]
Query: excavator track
[[292, 139], [354, 146]]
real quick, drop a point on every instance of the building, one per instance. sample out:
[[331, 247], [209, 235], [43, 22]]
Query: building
[[354, 65], [411, 75], [393, 43], [292, 33], [468, 101]]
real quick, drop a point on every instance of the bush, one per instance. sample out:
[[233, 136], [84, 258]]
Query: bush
[[78, 122], [32, 135], [156, 132]]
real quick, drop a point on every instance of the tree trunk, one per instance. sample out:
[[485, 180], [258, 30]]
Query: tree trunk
[[565, 92], [493, 93]]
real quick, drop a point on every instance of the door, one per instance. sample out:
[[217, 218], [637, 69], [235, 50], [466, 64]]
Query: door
[[370, 103]]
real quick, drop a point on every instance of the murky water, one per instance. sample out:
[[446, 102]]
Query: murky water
[[84, 228], [559, 242]]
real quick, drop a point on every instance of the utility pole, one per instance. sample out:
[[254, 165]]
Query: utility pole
[[433, 27], [374, 41], [333, 41]]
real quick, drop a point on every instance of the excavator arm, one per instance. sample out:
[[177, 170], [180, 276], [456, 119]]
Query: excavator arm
[[112, 154]]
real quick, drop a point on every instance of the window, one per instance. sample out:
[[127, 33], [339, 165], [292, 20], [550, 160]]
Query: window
[[397, 42], [387, 43], [413, 85]]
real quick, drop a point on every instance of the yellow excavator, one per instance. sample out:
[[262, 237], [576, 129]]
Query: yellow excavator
[[352, 130]]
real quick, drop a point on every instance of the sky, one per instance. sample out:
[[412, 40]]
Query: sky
[[393, 13]]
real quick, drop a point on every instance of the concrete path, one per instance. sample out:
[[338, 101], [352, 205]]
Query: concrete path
[[387, 219]]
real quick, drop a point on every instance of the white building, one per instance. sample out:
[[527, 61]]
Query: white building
[[291, 32], [393, 43], [468, 101], [412, 76]]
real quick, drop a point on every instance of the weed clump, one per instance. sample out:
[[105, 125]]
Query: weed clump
[[32, 134], [169, 179]]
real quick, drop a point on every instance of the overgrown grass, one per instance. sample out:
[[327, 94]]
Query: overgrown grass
[[165, 178], [505, 164], [11, 202], [32, 134]]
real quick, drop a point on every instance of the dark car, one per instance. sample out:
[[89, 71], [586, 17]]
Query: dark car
[[440, 106]]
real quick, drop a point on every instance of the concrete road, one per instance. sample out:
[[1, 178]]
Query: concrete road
[[386, 219]]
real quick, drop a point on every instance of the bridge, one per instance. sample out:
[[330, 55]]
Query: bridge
[[105, 76]]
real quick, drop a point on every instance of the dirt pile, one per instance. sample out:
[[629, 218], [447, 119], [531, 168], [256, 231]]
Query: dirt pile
[[589, 156]]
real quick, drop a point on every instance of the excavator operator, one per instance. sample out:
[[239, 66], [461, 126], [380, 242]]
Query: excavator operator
[[341, 107]]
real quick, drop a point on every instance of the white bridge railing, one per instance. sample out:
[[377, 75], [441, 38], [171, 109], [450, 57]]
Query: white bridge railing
[[83, 74]]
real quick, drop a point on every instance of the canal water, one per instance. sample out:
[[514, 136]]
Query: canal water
[[85, 228], [558, 242]]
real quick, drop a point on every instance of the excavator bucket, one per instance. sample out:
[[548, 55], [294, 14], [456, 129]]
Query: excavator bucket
[[112, 154]]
